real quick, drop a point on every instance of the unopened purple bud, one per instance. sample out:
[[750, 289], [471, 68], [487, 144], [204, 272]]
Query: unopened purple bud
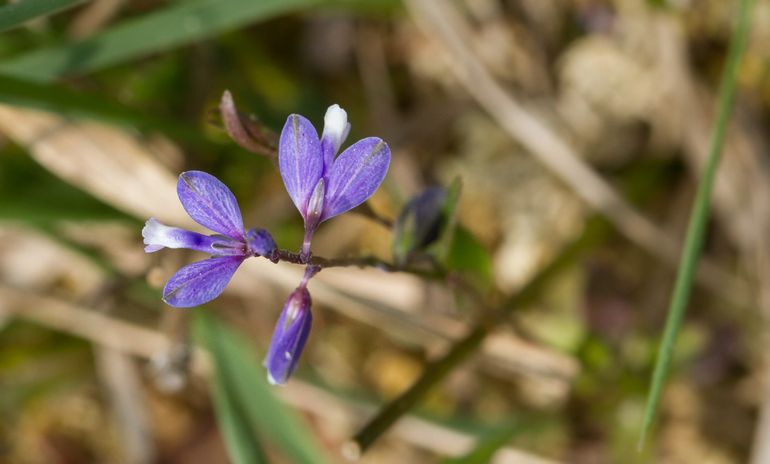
[[261, 243], [289, 337]]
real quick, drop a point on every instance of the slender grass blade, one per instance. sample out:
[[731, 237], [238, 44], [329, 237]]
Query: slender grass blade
[[179, 24], [236, 362], [696, 229]]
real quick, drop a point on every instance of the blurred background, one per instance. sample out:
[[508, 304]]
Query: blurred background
[[578, 130]]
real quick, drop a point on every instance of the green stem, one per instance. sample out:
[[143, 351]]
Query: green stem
[[432, 374], [698, 219], [438, 369]]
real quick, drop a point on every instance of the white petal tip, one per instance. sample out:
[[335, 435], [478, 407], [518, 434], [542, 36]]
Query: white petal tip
[[157, 235], [336, 126], [274, 382]]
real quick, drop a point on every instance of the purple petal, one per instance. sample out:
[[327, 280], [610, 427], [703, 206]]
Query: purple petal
[[158, 235], [289, 337], [355, 175], [210, 203], [200, 282], [300, 159]]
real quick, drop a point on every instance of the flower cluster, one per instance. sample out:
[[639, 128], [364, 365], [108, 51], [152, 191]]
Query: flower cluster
[[321, 185]]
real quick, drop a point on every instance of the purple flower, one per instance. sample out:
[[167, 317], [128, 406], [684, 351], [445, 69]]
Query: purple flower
[[289, 337], [211, 204], [320, 185]]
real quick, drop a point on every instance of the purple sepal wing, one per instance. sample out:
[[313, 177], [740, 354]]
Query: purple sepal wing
[[210, 203], [200, 282], [355, 175], [300, 159]]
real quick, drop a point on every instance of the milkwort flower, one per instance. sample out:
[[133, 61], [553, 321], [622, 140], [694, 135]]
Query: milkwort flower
[[211, 204], [320, 184]]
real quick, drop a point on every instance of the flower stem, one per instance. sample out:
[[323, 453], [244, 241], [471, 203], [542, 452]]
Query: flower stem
[[304, 254]]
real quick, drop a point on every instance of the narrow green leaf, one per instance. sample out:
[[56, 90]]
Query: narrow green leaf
[[236, 361], [242, 445], [696, 229], [33, 195], [68, 102], [15, 14], [179, 24], [239, 436]]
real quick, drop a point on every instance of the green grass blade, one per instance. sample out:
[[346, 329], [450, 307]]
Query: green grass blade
[[239, 436], [68, 102], [240, 440], [179, 24], [16, 14], [237, 362], [31, 194], [697, 226]]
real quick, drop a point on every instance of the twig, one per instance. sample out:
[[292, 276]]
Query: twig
[[358, 261]]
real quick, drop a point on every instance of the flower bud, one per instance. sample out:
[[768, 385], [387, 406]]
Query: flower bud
[[419, 224], [245, 132], [289, 337], [261, 243]]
